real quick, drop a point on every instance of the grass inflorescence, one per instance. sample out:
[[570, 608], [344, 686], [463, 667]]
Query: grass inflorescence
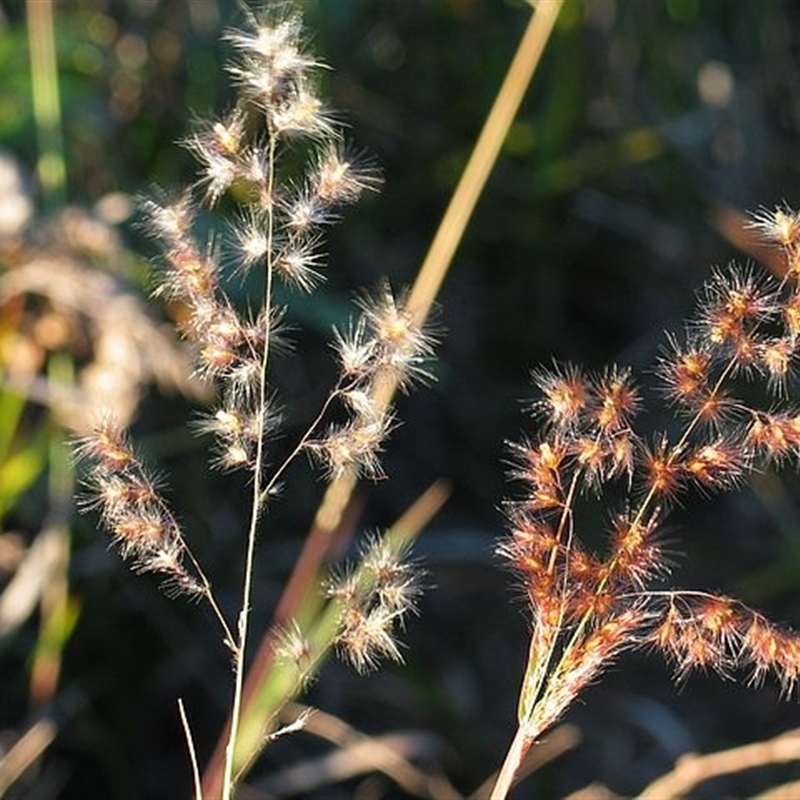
[[727, 380], [280, 157]]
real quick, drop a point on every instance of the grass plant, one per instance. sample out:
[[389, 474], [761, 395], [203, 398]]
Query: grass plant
[[727, 379], [280, 154]]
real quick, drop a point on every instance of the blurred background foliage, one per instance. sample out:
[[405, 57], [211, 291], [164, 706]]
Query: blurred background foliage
[[649, 125]]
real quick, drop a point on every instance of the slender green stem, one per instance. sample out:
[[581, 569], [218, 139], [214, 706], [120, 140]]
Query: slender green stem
[[50, 167], [258, 480]]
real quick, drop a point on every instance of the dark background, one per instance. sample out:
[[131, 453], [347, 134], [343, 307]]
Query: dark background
[[645, 118]]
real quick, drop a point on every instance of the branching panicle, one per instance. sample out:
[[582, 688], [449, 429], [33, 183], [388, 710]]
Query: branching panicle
[[131, 507], [375, 597], [586, 609], [283, 207]]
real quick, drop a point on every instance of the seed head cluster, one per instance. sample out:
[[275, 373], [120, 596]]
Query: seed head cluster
[[279, 159], [727, 379], [370, 600], [375, 597], [131, 507]]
